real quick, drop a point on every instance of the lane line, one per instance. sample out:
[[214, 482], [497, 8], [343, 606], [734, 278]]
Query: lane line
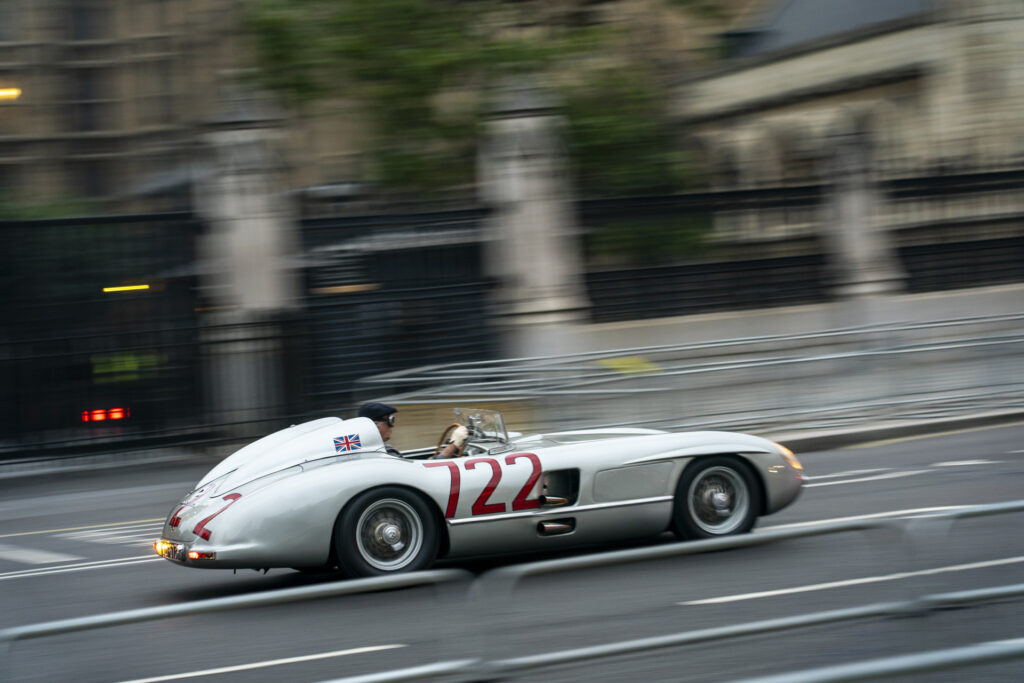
[[21, 555], [54, 499], [950, 463], [269, 662], [888, 475], [115, 531], [76, 528], [856, 582], [115, 540], [44, 572], [848, 473], [80, 566], [933, 435], [874, 515], [122, 527]]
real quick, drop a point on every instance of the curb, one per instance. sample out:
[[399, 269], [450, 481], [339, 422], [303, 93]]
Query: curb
[[88, 463]]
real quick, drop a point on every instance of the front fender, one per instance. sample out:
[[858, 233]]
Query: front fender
[[781, 482]]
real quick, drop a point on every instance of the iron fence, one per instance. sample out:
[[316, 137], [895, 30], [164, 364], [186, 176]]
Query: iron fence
[[399, 290], [98, 328]]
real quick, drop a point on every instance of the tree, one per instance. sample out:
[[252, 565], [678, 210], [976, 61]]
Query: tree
[[420, 70]]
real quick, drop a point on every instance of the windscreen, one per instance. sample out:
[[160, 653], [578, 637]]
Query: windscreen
[[483, 424]]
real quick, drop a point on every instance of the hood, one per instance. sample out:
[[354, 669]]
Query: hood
[[323, 438]]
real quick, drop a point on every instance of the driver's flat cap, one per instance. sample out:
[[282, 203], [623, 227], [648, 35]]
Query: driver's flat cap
[[376, 411]]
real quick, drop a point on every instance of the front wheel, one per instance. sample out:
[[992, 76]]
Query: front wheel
[[385, 531], [716, 496]]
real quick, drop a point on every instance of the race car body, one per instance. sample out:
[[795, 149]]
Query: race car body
[[325, 494]]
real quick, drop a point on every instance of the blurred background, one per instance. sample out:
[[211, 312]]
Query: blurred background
[[222, 217]]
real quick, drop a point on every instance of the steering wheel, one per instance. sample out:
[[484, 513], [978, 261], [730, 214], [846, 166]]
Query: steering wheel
[[444, 437]]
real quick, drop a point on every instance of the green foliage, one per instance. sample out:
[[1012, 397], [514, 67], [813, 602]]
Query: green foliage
[[709, 9], [399, 57], [396, 57], [648, 240], [288, 45], [421, 69], [620, 140]]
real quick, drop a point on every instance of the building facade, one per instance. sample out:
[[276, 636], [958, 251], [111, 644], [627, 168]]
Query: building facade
[[111, 90], [116, 96], [930, 87]]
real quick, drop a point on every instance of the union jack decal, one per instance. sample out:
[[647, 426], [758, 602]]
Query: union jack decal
[[344, 444]]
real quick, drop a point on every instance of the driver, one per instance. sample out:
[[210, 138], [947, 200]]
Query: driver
[[383, 416]]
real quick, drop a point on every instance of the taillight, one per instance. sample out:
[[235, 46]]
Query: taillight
[[104, 414]]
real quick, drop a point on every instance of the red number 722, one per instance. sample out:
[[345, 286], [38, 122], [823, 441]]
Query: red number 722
[[482, 506]]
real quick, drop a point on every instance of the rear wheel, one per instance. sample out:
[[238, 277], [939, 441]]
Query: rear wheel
[[385, 531], [716, 496]]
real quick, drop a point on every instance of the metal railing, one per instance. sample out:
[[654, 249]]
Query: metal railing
[[496, 586], [819, 380], [923, 662], [285, 595]]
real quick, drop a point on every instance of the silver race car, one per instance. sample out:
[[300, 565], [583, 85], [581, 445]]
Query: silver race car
[[325, 494]]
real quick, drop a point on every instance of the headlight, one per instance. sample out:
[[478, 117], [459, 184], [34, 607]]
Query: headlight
[[790, 458]]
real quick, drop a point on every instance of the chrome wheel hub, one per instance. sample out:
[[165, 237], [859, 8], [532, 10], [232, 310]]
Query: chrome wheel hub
[[718, 500], [389, 534]]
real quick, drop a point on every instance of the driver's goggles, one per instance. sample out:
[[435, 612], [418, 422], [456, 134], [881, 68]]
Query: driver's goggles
[[389, 420]]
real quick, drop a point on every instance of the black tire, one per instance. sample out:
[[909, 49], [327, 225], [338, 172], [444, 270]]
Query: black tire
[[383, 531], [716, 496]]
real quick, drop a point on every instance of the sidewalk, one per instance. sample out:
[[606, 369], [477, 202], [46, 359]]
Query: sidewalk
[[900, 308]]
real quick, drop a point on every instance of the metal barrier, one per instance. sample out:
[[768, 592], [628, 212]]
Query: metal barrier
[[940, 660], [496, 586], [827, 379], [434, 577]]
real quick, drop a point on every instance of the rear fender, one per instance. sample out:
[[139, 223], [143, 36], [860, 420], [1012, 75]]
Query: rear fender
[[293, 518], [435, 510]]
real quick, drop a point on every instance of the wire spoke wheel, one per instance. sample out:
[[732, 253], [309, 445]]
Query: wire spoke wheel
[[716, 496], [718, 500], [389, 534], [384, 531]]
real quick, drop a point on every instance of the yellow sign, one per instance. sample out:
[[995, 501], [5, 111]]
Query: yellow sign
[[125, 288]]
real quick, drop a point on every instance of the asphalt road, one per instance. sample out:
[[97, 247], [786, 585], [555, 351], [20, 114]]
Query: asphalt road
[[77, 544]]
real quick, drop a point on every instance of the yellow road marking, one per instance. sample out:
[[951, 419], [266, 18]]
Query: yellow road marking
[[347, 289], [965, 430], [77, 528], [630, 365]]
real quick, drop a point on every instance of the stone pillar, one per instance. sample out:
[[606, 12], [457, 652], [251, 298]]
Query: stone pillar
[[532, 244], [249, 256], [862, 259]]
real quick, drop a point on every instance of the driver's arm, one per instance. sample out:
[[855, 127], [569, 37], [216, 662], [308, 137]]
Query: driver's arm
[[454, 445]]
